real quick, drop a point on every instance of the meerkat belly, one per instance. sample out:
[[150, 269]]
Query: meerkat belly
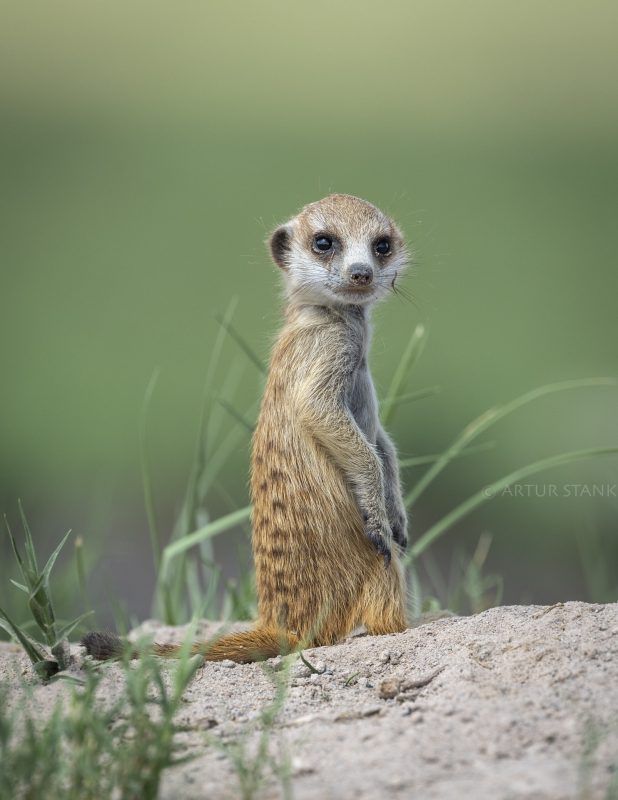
[[299, 494], [306, 524]]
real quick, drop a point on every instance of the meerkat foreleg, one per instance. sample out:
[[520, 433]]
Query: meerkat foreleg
[[338, 433], [395, 508]]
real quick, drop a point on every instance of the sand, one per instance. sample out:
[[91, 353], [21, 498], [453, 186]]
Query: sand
[[516, 702]]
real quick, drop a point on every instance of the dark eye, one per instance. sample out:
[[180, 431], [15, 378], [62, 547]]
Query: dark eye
[[322, 243], [382, 247]]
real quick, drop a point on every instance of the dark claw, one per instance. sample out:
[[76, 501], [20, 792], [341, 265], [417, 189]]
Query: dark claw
[[381, 546], [399, 536]]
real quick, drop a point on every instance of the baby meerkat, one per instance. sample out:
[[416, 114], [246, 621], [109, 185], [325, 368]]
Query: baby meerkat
[[328, 518]]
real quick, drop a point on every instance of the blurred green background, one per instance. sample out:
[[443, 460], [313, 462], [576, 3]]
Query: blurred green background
[[146, 150]]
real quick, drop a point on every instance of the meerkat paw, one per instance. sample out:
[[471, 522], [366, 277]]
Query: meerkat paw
[[399, 526], [379, 534]]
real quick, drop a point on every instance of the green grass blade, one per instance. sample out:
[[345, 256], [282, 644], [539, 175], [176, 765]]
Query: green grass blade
[[80, 568], [489, 418], [23, 568], [208, 600], [34, 654], [214, 528], [187, 517], [193, 498], [490, 491], [44, 579], [227, 387], [431, 459], [213, 364], [224, 321], [29, 546], [43, 614], [193, 587], [419, 394], [20, 586], [68, 629], [410, 355], [221, 454], [170, 589], [235, 414], [39, 601], [155, 541], [242, 343]]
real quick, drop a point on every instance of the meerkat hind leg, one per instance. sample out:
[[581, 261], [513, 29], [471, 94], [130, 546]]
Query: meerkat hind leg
[[384, 603]]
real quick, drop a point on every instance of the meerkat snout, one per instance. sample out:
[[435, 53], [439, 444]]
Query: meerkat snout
[[360, 274]]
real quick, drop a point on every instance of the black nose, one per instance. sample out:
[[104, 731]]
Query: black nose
[[361, 274]]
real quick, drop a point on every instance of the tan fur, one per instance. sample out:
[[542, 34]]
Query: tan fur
[[316, 571], [314, 471], [243, 647]]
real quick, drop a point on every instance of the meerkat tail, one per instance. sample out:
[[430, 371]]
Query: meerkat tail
[[103, 646], [243, 647]]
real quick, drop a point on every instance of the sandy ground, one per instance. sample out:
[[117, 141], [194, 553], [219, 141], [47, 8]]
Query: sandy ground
[[517, 702]]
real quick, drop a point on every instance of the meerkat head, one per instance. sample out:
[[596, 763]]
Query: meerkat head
[[339, 251]]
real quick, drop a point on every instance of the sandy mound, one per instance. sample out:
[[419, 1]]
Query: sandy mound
[[515, 702]]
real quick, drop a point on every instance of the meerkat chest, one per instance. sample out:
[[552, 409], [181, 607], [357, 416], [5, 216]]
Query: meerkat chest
[[362, 401]]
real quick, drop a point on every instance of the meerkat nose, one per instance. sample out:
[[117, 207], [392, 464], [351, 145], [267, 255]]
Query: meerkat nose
[[360, 274]]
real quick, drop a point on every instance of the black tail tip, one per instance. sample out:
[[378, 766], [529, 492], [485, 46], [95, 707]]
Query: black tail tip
[[103, 646]]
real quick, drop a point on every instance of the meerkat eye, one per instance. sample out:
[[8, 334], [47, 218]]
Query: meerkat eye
[[382, 247], [322, 244]]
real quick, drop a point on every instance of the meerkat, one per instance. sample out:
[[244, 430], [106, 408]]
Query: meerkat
[[328, 520]]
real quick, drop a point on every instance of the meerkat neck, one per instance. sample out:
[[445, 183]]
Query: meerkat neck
[[314, 312]]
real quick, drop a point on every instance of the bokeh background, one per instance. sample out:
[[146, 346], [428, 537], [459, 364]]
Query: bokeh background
[[146, 150]]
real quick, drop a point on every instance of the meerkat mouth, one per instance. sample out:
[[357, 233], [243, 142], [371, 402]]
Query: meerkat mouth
[[356, 290], [357, 296]]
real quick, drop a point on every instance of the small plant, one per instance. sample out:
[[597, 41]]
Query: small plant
[[468, 589], [90, 749], [180, 577], [599, 571], [87, 749], [36, 586]]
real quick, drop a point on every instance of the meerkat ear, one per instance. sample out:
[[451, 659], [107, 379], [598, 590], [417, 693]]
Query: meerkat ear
[[279, 244]]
